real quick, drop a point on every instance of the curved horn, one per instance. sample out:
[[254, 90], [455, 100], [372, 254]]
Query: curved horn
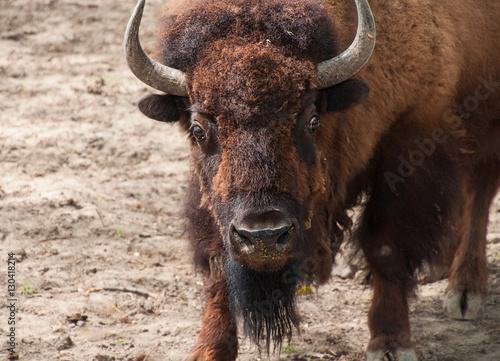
[[149, 71], [342, 67]]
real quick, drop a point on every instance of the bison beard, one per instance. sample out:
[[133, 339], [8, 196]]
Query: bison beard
[[265, 301]]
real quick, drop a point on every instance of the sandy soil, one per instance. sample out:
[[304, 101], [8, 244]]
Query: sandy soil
[[90, 195]]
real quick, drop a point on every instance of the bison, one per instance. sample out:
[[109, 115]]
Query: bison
[[284, 142]]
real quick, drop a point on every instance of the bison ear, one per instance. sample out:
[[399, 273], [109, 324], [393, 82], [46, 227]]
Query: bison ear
[[346, 95], [164, 108]]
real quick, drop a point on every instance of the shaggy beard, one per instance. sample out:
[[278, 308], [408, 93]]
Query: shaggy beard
[[265, 301]]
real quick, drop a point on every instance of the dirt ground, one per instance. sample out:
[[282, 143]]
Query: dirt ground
[[90, 196]]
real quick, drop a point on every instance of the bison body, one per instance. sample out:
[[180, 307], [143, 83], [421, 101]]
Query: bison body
[[279, 159]]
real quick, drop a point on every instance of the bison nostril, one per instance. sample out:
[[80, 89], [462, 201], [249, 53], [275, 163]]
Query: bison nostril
[[240, 237], [285, 237], [267, 237]]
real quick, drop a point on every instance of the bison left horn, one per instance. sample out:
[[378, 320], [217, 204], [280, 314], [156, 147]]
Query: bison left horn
[[335, 70], [154, 74]]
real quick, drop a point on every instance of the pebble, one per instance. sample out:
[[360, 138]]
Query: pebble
[[18, 74], [65, 344], [493, 238]]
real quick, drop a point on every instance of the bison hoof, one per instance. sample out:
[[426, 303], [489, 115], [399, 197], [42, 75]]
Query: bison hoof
[[462, 305], [399, 355]]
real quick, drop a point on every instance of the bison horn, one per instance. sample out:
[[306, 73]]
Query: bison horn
[[154, 74], [343, 66]]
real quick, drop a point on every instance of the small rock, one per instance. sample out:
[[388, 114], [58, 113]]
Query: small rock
[[20, 255], [77, 317], [18, 74], [104, 358], [493, 238], [65, 344], [440, 336], [95, 85], [344, 270]]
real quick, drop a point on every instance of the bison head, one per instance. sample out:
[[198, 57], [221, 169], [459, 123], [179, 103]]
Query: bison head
[[251, 106]]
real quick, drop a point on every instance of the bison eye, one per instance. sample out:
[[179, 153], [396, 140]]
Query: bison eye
[[198, 133], [313, 124]]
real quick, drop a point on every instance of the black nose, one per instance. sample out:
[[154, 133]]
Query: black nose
[[277, 237], [270, 231]]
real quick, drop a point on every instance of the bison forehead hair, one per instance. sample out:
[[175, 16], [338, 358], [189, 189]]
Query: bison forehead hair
[[253, 84], [299, 27]]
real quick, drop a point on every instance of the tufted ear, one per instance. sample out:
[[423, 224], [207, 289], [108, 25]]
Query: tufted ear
[[346, 95], [164, 108]]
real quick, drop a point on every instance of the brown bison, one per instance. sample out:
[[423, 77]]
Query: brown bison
[[284, 142]]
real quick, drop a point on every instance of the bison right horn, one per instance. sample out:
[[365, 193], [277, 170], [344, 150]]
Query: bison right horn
[[335, 70], [159, 76]]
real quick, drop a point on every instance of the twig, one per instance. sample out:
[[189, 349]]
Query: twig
[[51, 239], [122, 289], [99, 214]]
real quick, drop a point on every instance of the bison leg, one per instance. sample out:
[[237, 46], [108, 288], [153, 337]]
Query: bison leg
[[388, 317], [389, 323], [218, 337], [467, 284], [400, 229]]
